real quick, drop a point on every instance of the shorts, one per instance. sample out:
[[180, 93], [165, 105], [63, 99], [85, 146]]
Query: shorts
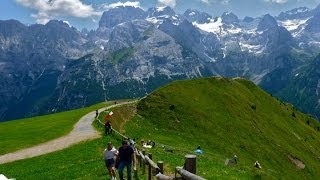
[[109, 162]]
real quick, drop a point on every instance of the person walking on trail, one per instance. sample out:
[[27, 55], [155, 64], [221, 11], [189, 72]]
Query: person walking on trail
[[108, 127], [110, 153], [126, 158], [97, 113]]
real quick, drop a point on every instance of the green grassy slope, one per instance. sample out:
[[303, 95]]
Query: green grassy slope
[[225, 117], [228, 117], [19, 134]]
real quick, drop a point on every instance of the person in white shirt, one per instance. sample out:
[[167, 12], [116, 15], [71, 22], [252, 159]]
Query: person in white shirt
[[110, 153]]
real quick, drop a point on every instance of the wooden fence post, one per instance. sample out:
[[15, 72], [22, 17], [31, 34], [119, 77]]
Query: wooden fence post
[[160, 165], [191, 163], [150, 168], [144, 163], [139, 158]]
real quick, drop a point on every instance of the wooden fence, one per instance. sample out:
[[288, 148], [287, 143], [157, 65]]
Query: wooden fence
[[156, 170]]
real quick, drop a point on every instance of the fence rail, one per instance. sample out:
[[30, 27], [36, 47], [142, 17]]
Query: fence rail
[[188, 175], [156, 169]]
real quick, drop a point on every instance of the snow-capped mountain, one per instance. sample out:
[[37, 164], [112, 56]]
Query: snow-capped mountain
[[134, 51], [193, 15]]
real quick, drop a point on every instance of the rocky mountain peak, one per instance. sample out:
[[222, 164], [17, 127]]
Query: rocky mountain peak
[[297, 13], [196, 16], [161, 11], [120, 15], [313, 24], [268, 22], [11, 27], [57, 23], [229, 18]]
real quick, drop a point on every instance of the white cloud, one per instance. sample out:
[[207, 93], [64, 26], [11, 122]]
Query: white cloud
[[205, 1], [277, 1], [171, 3], [121, 4], [49, 9]]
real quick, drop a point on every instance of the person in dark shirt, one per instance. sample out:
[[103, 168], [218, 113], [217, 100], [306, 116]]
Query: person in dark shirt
[[97, 113], [126, 157], [108, 127]]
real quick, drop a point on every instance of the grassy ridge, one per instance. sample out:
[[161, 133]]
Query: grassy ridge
[[19, 134], [228, 117]]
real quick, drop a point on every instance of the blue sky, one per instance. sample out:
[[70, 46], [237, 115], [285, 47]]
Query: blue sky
[[86, 13]]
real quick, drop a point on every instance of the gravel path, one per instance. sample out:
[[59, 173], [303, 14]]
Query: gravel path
[[83, 130]]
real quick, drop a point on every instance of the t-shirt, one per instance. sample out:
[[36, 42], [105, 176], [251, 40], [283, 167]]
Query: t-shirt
[[125, 154], [109, 154]]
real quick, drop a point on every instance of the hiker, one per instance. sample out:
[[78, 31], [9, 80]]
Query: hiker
[[108, 116], [151, 143], [142, 142], [235, 159], [109, 158], [108, 127], [198, 150], [257, 165], [126, 158], [97, 113]]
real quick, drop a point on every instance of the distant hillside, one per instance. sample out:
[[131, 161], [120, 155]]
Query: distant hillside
[[228, 117], [299, 86]]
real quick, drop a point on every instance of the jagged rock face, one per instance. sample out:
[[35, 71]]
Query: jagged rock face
[[160, 11], [126, 34], [54, 67], [29, 56], [117, 16], [313, 24], [297, 13], [267, 23], [193, 15], [229, 18]]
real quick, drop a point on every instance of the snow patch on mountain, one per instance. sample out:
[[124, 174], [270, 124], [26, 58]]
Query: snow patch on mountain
[[154, 20], [292, 25], [192, 13], [160, 9], [258, 49], [234, 30], [214, 26]]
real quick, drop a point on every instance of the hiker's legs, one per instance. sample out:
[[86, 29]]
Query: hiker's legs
[[113, 171], [110, 171], [120, 169], [107, 130], [129, 171]]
